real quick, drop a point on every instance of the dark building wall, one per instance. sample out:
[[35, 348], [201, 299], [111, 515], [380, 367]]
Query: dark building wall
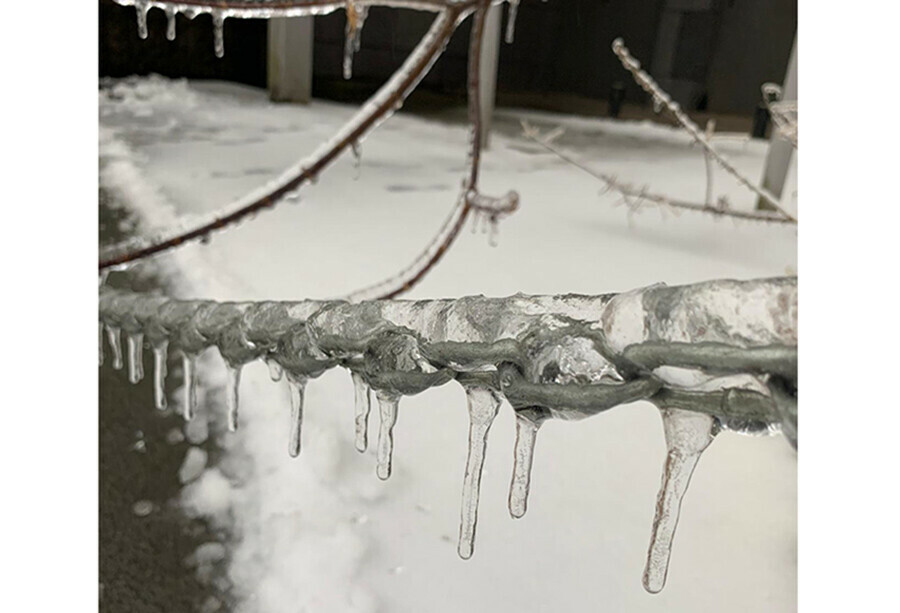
[[722, 49], [753, 47]]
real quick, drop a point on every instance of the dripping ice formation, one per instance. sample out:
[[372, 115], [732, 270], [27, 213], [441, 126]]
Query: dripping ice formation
[[687, 436], [707, 355], [483, 405]]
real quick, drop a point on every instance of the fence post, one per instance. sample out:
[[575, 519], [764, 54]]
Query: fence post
[[778, 159]]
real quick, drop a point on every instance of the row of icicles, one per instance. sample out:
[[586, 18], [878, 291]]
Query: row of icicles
[[687, 435], [356, 18]]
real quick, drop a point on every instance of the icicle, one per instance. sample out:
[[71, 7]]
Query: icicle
[[141, 7], [688, 434], [357, 157], [100, 348], [298, 388], [160, 355], [135, 357], [189, 365], [387, 408], [526, 433], [483, 405], [511, 21], [114, 335], [232, 394], [356, 18], [657, 104], [275, 370], [362, 398], [219, 32], [493, 240], [170, 23]]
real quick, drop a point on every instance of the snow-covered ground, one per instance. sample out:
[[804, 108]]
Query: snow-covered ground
[[322, 533]]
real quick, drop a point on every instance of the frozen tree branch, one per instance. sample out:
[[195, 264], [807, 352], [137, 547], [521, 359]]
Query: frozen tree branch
[[634, 197], [711, 356], [660, 97], [380, 106]]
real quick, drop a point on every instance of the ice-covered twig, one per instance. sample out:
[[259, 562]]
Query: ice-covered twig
[[635, 197], [376, 109], [661, 98], [469, 201]]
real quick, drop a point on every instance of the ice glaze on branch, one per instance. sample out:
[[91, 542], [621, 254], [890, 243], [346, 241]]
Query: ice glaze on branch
[[712, 356], [660, 97], [634, 197], [380, 106]]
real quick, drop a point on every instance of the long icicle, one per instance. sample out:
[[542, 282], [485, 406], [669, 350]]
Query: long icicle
[[298, 390], [160, 370], [114, 336], [141, 7], [189, 365], [362, 406], [483, 405], [232, 394], [526, 433], [218, 19], [135, 357], [511, 21], [100, 349], [688, 434], [387, 408]]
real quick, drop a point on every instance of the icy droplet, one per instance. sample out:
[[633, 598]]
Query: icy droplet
[[298, 389], [114, 336], [100, 349], [688, 434], [511, 21], [189, 365], [387, 408], [141, 7], [135, 357], [483, 405], [362, 401], [275, 370], [526, 433], [142, 508], [170, 23], [232, 394], [160, 355], [219, 32]]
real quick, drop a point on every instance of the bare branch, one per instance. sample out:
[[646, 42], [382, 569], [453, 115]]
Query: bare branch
[[634, 197], [660, 97]]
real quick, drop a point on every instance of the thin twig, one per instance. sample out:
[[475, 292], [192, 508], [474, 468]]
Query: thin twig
[[633, 196], [660, 97]]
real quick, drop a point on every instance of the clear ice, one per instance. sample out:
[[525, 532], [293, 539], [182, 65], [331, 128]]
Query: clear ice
[[356, 18], [298, 389], [232, 394], [170, 23], [135, 357], [483, 406], [160, 355], [526, 433], [362, 401], [511, 20], [219, 33], [189, 366], [114, 335], [688, 434], [276, 372], [141, 8], [387, 408]]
